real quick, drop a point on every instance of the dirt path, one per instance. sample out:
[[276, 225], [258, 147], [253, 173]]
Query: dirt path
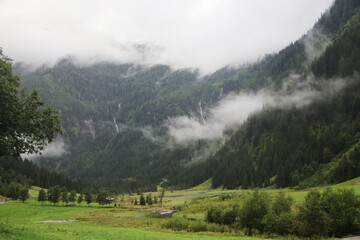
[[352, 238], [56, 221]]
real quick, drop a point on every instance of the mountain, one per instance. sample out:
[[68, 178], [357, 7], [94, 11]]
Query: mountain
[[310, 145], [117, 116]]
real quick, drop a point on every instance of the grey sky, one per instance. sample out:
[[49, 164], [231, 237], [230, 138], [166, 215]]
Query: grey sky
[[206, 34]]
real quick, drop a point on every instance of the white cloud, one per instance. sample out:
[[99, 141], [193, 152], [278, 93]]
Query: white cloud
[[54, 149], [207, 34], [230, 113], [233, 110]]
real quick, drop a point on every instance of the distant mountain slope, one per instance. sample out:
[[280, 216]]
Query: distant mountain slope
[[115, 116]]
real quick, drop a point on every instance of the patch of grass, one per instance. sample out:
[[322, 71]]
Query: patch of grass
[[17, 221], [207, 185], [347, 183]]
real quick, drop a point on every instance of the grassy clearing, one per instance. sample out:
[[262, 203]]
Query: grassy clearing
[[18, 220]]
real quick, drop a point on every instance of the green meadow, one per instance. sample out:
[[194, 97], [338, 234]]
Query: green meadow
[[19, 221], [23, 220]]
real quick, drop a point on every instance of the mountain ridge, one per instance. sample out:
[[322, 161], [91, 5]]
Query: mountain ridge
[[106, 108]]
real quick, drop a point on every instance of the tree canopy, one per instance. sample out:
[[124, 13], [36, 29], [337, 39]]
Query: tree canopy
[[26, 125]]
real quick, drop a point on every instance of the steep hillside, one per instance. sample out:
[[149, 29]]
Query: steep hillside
[[305, 146]]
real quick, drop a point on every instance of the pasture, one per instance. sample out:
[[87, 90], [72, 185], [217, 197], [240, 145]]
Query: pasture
[[24, 220]]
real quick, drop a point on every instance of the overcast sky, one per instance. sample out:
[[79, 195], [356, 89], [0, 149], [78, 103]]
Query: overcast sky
[[206, 34]]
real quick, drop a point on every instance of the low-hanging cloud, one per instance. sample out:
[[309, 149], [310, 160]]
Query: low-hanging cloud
[[204, 34], [233, 110], [230, 113], [54, 149]]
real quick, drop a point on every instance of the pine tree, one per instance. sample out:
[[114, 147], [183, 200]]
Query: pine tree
[[149, 199], [54, 194], [42, 196], [162, 196], [24, 194], [80, 199], [72, 196], [155, 200], [142, 200], [88, 197], [64, 195]]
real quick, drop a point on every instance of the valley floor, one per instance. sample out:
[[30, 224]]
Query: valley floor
[[25, 220]]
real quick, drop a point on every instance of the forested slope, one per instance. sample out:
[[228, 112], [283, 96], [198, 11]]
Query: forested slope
[[115, 116], [306, 146]]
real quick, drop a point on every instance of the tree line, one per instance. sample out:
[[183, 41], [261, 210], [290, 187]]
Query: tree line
[[334, 212]]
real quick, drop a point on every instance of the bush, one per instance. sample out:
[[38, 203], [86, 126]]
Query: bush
[[343, 208], [224, 196], [279, 220], [215, 214], [229, 215], [334, 212], [253, 211], [198, 226], [182, 224], [282, 204], [313, 220], [280, 224], [177, 224]]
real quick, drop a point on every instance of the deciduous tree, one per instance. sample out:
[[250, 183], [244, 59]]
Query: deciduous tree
[[26, 125]]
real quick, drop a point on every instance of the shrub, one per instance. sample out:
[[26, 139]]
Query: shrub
[[177, 224], [215, 214], [313, 220], [280, 224], [343, 208], [279, 219], [198, 226], [282, 204], [224, 196], [253, 211], [229, 215]]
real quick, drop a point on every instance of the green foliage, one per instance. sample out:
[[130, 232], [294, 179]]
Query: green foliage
[[182, 224], [253, 211], [314, 221], [149, 200], [64, 195], [88, 197], [282, 204], [28, 173], [332, 213], [72, 196], [102, 197], [53, 194], [80, 199], [13, 190], [24, 194], [25, 125], [215, 214], [293, 145], [230, 215], [142, 200], [342, 57], [343, 208], [279, 219], [162, 194], [42, 196]]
